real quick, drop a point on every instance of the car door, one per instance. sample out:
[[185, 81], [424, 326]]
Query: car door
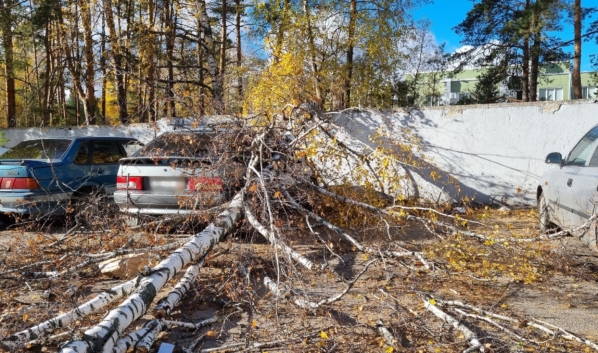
[[578, 181], [78, 172], [585, 189], [104, 163]]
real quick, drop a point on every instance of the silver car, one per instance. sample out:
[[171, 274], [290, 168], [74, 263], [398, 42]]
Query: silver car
[[567, 195], [178, 173]]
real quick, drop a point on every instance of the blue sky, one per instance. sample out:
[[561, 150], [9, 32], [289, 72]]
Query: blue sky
[[446, 14]]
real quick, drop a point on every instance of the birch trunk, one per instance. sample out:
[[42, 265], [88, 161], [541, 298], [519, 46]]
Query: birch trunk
[[105, 334], [133, 339], [166, 304], [469, 335], [305, 262], [45, 328]]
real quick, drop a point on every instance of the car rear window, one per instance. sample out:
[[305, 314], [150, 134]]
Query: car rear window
[[176, 145], [38, 149]]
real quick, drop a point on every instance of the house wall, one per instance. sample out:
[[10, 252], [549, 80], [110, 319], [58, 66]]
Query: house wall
[[554, 75], [495, 152]]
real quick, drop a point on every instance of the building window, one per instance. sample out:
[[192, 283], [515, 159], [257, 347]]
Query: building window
[[588, 92], [551, 94]]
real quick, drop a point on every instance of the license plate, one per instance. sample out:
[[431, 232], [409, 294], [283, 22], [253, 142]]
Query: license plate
[[168, 184]]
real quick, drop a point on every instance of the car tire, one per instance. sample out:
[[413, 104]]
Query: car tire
[[90, 201], [544, 214]]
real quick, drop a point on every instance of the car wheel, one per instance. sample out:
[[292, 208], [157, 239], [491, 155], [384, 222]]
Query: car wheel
[[87, 204], [544, 214]]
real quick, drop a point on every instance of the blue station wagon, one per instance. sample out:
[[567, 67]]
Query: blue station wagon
[[41, 176]]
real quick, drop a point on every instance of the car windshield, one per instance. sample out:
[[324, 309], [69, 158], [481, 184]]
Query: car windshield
[[176, 145], [38, 149]]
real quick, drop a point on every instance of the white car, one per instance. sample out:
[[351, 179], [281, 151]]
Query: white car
[[567, 195], [177, 173]]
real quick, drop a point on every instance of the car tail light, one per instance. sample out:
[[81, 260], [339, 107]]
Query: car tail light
[[206, 184], [129, 183], [25, 183], [19, 183]]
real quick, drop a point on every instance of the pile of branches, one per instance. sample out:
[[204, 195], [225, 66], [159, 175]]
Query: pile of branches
[[281, 187]]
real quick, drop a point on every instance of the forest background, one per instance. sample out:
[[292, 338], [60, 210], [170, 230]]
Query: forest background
[[124, 61]]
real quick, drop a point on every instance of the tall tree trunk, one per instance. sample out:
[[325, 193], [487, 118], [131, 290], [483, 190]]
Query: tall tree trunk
[[535, 53], [577, 94], [89, 63], [239, 54], [525, 68], [211, 58], [6, 7], [312, 55], [104, 69], [117, 59], [223, 38], [201, 68], [350, 48], [150, 51], [282, 27], [71, 52], [526, 58], [39, 96], [47, 99], [170, 37]]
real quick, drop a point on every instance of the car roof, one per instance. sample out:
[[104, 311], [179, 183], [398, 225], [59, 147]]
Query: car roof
[[84, 138]]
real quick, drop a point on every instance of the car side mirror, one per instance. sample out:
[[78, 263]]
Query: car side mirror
[[554, 158]]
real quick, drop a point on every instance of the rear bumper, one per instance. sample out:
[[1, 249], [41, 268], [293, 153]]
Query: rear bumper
[[152, 203], [33, 202]]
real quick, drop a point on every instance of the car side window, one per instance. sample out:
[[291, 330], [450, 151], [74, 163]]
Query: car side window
[[580, 153], [82, 156], [105, 152]]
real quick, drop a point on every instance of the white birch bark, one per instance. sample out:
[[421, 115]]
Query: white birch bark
[[128, 341], [105, 334], [276, 242], [42, 330], [146, 342], [166, 304], [388, 337], [469, 335]]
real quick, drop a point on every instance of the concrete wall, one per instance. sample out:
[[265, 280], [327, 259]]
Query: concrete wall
[[496, 152]]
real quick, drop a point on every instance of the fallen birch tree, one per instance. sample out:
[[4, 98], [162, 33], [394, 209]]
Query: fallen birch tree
[[277, 200]]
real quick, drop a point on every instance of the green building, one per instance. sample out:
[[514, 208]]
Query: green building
[[554, 84]]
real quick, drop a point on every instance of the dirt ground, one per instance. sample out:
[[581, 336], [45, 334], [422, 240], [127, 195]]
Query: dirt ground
[[554, 281]]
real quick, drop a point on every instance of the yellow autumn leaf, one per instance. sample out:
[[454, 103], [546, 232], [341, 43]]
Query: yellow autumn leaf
[[432, 301], [211, 333], [25, 317], [254, 324], [389, 349], [253, 187], [277, 194], [323, 335]]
